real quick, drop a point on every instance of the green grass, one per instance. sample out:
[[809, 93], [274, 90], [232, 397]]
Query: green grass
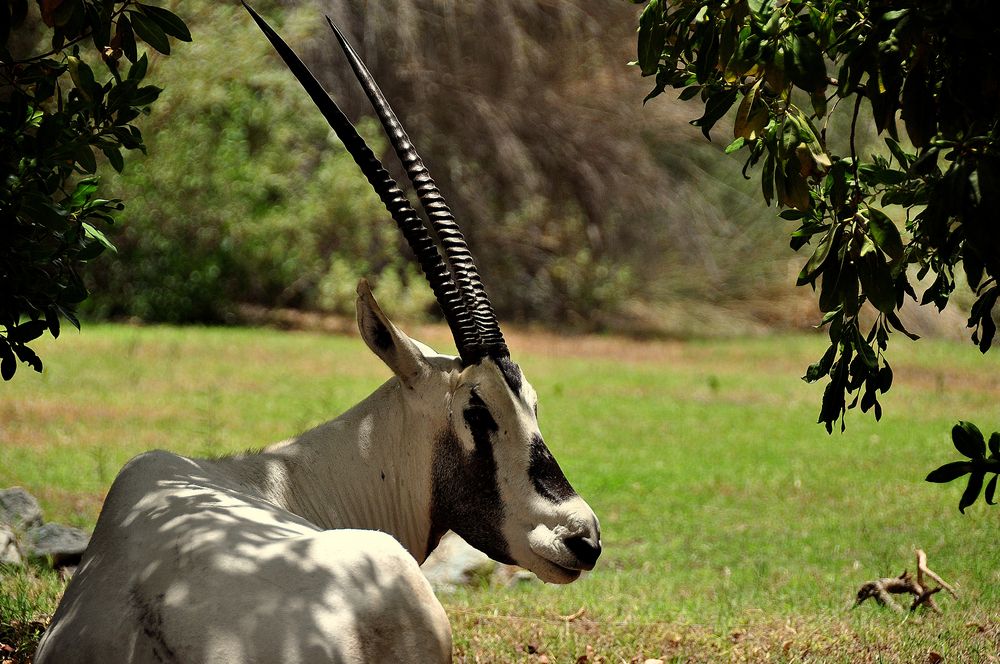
[[735, 528]]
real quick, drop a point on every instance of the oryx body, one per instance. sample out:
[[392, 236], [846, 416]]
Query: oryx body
[[308, 551]]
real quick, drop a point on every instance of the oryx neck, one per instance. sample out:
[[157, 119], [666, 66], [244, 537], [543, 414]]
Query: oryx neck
[[370, 469]]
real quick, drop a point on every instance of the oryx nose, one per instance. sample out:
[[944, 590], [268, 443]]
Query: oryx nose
[[586, 549]]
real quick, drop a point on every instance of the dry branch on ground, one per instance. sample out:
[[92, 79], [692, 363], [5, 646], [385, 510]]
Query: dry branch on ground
[[883, 589]]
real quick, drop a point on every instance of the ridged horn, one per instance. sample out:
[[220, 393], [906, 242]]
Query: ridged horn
[[457, 254], [453, 304]]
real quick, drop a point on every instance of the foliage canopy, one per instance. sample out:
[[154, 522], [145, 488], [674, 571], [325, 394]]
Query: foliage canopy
[[874, 224], [59, 108]]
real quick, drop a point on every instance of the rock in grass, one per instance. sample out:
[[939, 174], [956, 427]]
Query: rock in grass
[[10, 554], [455, 563], [19, 508], [62, 545]]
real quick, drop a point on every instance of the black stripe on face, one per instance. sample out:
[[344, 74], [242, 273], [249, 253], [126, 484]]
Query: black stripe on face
[[466, 494], [545, 474]]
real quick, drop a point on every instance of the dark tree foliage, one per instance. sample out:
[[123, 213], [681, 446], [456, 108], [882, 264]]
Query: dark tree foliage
[[969, 441], [923, 70], [59, 109]]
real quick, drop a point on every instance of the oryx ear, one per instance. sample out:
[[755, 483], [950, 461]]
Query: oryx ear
[[392, 346]]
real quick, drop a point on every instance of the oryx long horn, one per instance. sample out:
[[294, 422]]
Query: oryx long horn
[[457, 253], [455, 307]]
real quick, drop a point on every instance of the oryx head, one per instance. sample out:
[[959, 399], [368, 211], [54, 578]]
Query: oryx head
[[495, 482]]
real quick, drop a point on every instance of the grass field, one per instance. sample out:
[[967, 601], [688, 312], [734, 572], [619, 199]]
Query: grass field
[[735, 529]]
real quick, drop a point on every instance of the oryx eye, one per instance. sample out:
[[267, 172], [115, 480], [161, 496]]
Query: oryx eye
[[475, 401], [479, 419]]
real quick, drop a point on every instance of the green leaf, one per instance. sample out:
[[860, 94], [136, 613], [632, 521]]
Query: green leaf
[[127, 34], [689, 92], [808, 69], [717, 105], [85, 188], [972, 491], [767, 179], [949, 471], [968, 440], [99, 236], [991, 489], [735, 145], [885, 234], [904, 160], [138, 70], [83, 78], [114, 156], [150, 32], [865, 352], [169, 21], [876, 282], [822, 367], [145, 95], [818, 258], [652, 37], [84, 156]]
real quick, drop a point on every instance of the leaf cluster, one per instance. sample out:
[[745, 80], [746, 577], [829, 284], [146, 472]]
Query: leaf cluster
[[60, 109], [969, 441], [786, 66]]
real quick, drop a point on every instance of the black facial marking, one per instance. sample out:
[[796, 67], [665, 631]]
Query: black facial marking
[[511, 373], [466, 496], [546, 475]]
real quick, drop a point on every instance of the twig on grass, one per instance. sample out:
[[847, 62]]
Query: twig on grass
[[881, 590]]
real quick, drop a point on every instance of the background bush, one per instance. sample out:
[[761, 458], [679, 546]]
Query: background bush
[[580, 207]]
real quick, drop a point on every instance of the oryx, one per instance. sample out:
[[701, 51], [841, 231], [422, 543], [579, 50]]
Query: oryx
[[308, 551]]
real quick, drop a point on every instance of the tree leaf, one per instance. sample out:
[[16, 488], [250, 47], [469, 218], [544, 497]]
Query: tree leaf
[[169, 21], [885, 234], [99, 236], [995, 444], [767, 179], [991, 489], [972, 491], [84, 156], [114, 157], [808, 69], [897, 151], [968, 440], [652, 37], [138, 69], [735, 145], [876, 282], [949, 471], [27, 331], [818, 258], [717, 105], [150, 32], [742, 126], [8, 365]]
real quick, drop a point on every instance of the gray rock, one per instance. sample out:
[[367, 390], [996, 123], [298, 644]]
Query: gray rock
[[10, 554], [62, 545], [456, 563], [19, 508]]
